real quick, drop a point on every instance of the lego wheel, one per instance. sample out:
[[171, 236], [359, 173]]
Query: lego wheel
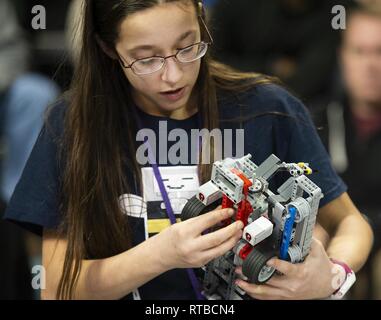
[[192, 209], [254, 266]]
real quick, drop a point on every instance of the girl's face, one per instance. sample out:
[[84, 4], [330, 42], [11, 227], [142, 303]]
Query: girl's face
[[161, 31]]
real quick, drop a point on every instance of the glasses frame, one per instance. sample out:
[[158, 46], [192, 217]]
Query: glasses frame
[[208, 43]]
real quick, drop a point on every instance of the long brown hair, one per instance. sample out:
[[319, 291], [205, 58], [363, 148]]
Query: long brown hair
[[99, 144]]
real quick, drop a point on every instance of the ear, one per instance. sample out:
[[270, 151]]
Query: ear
[[105, 48]]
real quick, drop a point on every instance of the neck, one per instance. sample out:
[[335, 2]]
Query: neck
[[178, 114]]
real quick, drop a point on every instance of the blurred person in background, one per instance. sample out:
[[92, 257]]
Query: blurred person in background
[[23, 99], [290, 39], [351, 126]]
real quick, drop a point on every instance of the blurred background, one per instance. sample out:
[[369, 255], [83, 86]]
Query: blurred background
[[336, 73]]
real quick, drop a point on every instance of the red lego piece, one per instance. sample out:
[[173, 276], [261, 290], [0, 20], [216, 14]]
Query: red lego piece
[[226, 202], [244, 252]]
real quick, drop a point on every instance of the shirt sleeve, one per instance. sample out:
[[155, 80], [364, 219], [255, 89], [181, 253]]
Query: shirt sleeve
[[305, 146], [35, 202], [288, 132]]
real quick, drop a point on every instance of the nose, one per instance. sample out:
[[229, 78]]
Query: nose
[[172, 72]]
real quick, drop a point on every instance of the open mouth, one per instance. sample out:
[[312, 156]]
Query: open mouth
[[173, 91], [174, 94]]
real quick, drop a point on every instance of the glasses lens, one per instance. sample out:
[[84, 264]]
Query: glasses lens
[[149, 65], [192, 53]]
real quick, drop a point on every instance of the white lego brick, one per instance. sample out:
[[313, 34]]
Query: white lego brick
[[208, 193], [257, 231]]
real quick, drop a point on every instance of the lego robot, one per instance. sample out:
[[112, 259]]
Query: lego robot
[[275, 225]]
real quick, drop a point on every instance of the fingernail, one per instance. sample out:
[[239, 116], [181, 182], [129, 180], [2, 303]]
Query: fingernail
[[230, 212], [270, 263]]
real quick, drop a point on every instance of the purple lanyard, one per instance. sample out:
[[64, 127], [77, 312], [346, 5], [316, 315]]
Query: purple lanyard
[[171, 215]]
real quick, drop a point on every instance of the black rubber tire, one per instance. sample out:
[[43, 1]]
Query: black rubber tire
[[255, 262], [192, 208]]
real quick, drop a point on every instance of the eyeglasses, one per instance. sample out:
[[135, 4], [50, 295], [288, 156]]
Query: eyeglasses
[[152, 64], [184, 55]]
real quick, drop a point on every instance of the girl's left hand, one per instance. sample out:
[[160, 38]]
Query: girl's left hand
[[312, 279]]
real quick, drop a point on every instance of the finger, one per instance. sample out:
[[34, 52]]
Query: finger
[[216, 238], [210, 219], [239, 272], [224, 247], [262, 292], [282, 266], [219, 224], [278, 281]]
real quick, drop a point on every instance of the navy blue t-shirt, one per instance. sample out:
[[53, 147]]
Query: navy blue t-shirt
[[274, 122]]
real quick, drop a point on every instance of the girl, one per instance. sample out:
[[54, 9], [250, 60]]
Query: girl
[[143, 62]]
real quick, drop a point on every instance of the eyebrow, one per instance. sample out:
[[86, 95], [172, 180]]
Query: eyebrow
[[149, 47]]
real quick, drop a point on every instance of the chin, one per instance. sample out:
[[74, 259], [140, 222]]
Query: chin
[[371, 96], [173, 106]]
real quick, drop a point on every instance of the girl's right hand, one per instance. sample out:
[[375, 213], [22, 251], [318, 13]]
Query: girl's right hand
[[183, 245]]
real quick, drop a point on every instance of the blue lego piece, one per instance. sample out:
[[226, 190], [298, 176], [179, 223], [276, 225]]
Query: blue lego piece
[[287, 232]]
